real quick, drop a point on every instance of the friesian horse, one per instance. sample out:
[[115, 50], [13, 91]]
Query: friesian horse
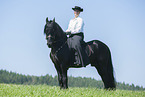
[[61, 55]]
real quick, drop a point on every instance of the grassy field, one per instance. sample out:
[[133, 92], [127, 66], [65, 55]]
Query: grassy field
[[53, 91]]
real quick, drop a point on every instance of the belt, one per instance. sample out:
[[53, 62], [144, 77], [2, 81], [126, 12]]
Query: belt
[[79, 34]]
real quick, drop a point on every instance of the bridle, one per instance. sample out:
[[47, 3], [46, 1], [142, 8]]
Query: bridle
[[56, 41]]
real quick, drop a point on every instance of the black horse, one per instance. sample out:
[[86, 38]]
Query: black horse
[[61, 55]]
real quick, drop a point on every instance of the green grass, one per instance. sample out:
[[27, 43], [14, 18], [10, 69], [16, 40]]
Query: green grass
[[53, 91]]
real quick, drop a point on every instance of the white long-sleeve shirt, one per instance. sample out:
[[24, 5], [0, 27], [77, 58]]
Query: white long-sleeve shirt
[[75, 25]]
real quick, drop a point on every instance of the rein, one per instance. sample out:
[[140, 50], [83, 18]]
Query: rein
[[60, 46], [58, 49]]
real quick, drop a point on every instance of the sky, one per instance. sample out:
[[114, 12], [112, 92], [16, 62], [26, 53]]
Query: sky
[[120, 24]]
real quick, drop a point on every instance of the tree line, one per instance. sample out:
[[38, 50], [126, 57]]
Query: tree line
[[15, 78]]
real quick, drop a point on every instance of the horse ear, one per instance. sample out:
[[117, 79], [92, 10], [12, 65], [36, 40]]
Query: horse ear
[[47, 20], [54, 19]]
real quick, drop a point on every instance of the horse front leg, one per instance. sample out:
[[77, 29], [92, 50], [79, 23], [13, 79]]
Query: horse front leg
[[60, 79], [59, 72], [64, 79], [58, 69]]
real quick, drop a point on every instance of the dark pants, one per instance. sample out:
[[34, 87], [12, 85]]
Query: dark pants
[[78, 45]]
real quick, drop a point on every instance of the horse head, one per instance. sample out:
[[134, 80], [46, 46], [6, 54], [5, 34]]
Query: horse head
[[50, 31]]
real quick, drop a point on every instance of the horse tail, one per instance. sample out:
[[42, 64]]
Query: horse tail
[[110, 71]]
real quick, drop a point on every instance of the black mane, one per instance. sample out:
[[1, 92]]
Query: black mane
[[60, 32]]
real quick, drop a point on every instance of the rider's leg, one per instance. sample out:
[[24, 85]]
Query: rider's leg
[[77, 42]]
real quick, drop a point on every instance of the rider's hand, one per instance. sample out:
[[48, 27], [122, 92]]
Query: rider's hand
[[68, 33]]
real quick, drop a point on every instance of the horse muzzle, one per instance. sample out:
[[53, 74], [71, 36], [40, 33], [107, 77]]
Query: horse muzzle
[[49, 45]]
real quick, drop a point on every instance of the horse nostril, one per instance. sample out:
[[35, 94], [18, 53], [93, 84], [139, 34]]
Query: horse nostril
[[49, 36]]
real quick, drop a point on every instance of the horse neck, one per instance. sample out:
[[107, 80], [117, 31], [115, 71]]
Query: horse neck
[[61, 39], [60, 33]]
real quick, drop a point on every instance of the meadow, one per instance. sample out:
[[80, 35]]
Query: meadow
[[54, 91]]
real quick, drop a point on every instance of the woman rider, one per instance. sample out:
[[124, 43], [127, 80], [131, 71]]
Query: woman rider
[[75, 30]]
